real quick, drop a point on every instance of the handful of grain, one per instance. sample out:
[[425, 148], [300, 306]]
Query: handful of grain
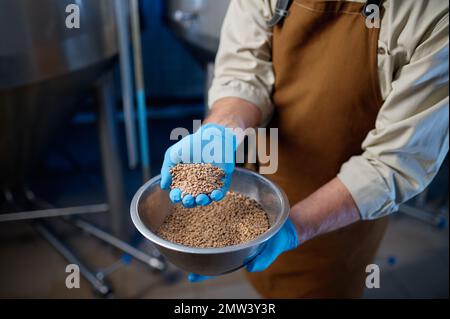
[[196, 178], [233, 220]]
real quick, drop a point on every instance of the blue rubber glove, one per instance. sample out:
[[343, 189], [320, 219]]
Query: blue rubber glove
[[213, 144], [286, 239]]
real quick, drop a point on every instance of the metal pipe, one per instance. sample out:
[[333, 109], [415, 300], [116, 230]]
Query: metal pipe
[[99, 286], [126, 81], [54, 212], [110, 154], [140, 88], [151, 261], [174, 111]]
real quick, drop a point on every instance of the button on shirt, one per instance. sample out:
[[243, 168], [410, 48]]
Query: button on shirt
[[409, 142]]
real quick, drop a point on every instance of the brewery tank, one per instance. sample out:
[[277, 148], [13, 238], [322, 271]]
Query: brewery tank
[[45, 69]]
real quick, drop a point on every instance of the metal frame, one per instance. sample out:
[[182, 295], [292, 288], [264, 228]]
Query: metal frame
[[113, 178], [112, 169], [152, 262], [54, 212], [100, 286]]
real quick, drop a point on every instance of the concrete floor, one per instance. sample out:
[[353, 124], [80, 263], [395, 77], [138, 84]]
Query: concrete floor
[[422, 266], [30, 267]]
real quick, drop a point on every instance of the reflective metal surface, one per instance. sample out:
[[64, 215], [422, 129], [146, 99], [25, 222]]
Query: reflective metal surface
[[198, 24], [45, 69], [151, 205], [35, 43]]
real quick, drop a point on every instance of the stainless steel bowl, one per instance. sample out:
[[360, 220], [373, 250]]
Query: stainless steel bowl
[[151, 205]]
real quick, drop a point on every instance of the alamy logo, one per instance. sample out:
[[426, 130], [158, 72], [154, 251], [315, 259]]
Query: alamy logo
[[261, 146], [373, 16], [73, 277], [73, 17], [373, 277]]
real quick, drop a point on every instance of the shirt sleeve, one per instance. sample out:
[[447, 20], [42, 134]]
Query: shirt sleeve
[[243, 63], [410, 140]]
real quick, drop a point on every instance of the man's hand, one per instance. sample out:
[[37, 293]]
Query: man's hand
[[226, 114], [212, 144], [286, 239], [329, 208]]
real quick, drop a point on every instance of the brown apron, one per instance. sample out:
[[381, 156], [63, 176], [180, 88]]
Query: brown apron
[[327, 97]]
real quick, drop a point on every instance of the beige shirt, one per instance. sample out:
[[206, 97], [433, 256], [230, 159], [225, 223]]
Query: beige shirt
[[404, 151]]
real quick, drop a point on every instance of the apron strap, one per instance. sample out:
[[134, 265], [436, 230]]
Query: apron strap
[[282, 10]]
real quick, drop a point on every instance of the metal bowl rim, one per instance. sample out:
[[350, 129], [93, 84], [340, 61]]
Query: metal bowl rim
[[150, 235]]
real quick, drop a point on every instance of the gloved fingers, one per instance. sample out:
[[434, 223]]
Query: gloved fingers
[[197, 278], [202, 200], [166, 176], [175, 195], [286, 239], [218, 194], [188, 201], [264, 259], [271, 250]]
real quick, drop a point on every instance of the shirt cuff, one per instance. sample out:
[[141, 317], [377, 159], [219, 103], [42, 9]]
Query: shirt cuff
[[368, 189], [246, 92]]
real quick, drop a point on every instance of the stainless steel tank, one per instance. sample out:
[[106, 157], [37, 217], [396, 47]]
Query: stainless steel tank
[[45, 68], [197, 23]]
